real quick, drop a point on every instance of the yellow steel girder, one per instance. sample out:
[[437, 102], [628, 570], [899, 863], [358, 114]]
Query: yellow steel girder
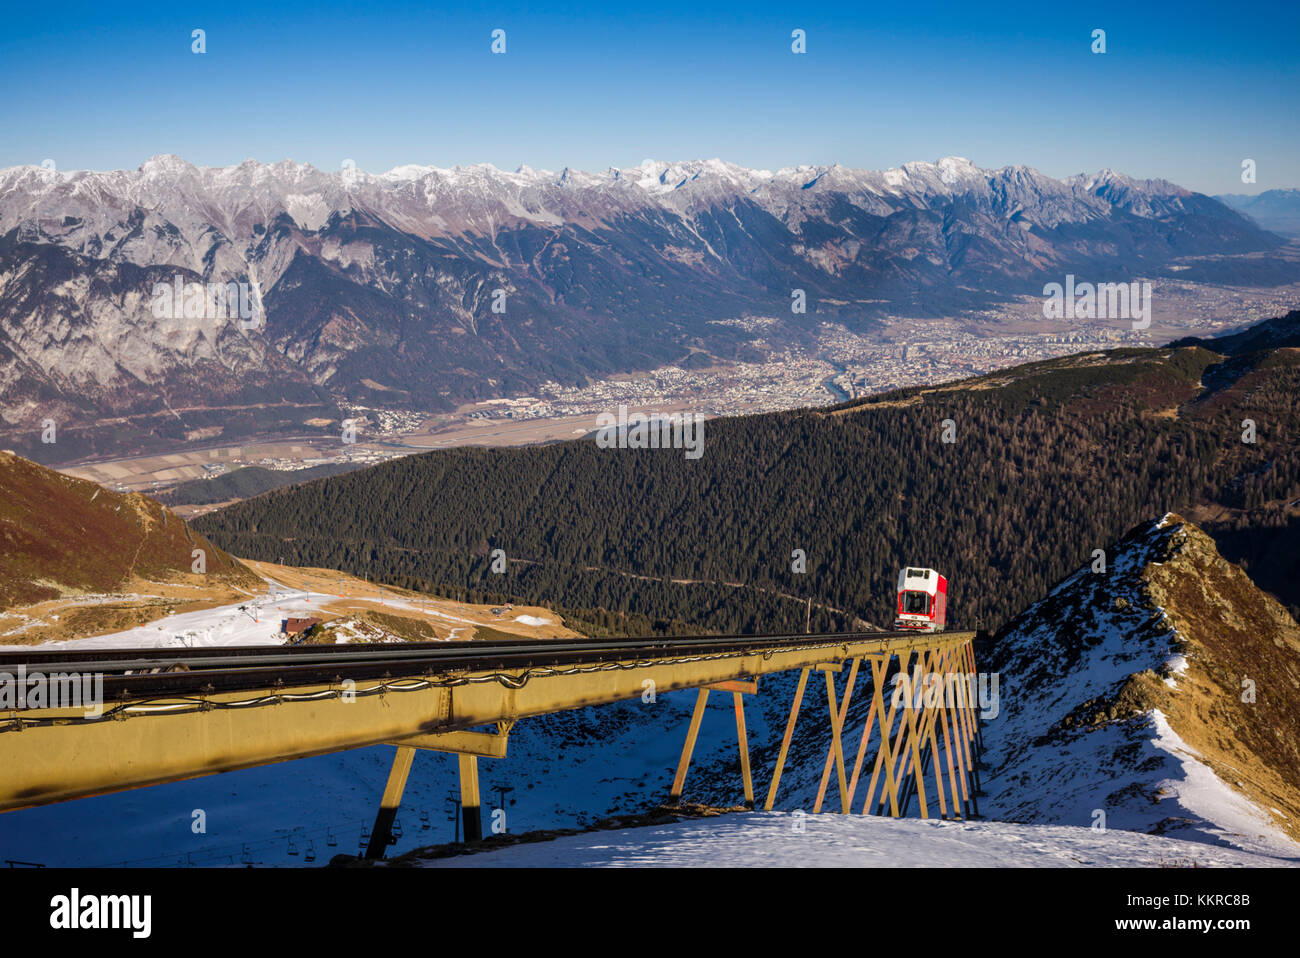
[[170, 739]]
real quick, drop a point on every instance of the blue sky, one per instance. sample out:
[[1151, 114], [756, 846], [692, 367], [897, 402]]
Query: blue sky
[[1185, 91]]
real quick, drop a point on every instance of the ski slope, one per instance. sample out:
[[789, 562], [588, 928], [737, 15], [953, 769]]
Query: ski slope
[[255, 621]]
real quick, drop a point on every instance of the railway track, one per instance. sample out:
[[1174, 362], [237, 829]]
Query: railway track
[[136, 673]]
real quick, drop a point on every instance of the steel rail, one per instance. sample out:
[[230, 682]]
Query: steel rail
[[231, 657]]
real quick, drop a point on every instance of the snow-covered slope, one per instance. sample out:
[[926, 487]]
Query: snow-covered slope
[[1121, 700], [780, 839], [256, 621]]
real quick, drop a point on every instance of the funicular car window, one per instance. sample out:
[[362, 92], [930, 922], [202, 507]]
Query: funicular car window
[[916, 603]]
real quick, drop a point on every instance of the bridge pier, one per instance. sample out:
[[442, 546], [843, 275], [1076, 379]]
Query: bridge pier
[[467, 747], [381, 835], [835, 753], [884, 754], [471, 814], [738, 689], [936, 734], [785, 741], [976, 736]]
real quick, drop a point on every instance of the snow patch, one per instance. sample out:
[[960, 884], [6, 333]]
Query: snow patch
[[1175, 666], [310, 212], [1228, 815]]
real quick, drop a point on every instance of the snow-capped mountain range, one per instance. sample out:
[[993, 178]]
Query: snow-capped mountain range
[[430, 201], [427, 287], [233, 197]]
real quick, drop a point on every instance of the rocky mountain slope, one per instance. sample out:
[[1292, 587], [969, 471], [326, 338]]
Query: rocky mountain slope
[[1159, 695], [426, 287]]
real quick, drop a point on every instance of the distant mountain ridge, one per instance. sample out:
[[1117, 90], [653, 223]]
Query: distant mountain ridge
[[428, 287], [1275, 210]]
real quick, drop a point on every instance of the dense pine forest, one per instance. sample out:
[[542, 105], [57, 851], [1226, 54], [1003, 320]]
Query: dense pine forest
[[1005, 483], [243, 483]]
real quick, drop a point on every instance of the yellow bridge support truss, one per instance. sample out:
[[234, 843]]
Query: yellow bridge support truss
[[55, 755]]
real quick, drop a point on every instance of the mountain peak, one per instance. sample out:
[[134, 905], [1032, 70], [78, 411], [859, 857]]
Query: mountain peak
[[169, 164], [1126, 679]]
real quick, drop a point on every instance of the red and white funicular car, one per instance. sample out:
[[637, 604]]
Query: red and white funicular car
[[922, 600]]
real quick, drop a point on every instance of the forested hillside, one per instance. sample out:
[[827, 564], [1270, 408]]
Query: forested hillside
[[242, 483], [1048, 462]]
